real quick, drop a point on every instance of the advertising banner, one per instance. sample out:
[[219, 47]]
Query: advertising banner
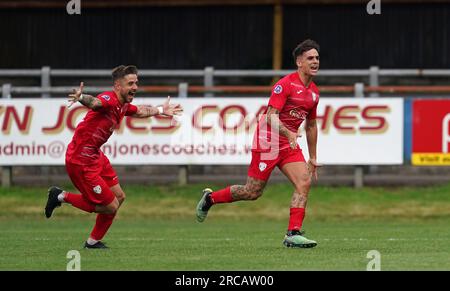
[[431, 132], [212, 131]]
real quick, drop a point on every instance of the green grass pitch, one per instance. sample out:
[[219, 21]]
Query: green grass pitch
[[156, 230]]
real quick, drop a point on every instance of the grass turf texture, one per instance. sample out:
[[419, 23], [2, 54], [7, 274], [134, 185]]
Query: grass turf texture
[[156, 230]]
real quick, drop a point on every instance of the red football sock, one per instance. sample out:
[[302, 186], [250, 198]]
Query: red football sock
[[79, 202], [222, 196], [102, 224], [296, 218]]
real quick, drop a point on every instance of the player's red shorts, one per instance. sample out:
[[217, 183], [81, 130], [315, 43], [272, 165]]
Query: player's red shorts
[[94, 180], [263, 164]]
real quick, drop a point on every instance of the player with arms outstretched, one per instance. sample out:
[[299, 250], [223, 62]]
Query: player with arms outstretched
[[87, 166], [294, 99]]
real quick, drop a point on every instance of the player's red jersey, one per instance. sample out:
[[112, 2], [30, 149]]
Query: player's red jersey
[[295, 102], [96, 128]]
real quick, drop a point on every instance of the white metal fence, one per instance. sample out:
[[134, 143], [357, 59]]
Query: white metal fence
[[209, 76]]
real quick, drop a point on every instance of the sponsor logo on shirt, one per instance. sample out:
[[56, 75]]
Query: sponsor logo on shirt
[[299, 115], [278, 89], [106, 97]]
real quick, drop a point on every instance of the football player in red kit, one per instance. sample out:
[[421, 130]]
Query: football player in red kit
[[294, 99], [87, 166]]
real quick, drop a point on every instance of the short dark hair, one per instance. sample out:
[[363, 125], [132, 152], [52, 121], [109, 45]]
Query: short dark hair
[[121, 71], [305, 46]]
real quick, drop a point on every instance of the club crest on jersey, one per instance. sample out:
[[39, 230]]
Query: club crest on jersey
[[97, 189], [262, 166], [314, 96], [278, 89], [106, 97]]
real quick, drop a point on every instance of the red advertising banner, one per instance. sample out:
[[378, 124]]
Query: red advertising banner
[[431, 132]]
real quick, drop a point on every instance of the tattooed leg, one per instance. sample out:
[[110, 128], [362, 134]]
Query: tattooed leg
[[300, 176], [252, 190], [299, 200]]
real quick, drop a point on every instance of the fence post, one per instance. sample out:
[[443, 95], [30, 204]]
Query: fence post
[[6, 170], [374, 79], [358, 176], [183, 170], [6, 91], [183, 90], [359, 90], [209, 80], [45, 81], [45, 85]]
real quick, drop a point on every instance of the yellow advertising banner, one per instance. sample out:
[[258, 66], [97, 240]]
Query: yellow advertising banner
[[431, 159]]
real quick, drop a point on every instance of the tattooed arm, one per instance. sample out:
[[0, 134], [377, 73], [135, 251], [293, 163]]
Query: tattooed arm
[[166, 109], [144, 111], [89, 101], [274, 121]]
